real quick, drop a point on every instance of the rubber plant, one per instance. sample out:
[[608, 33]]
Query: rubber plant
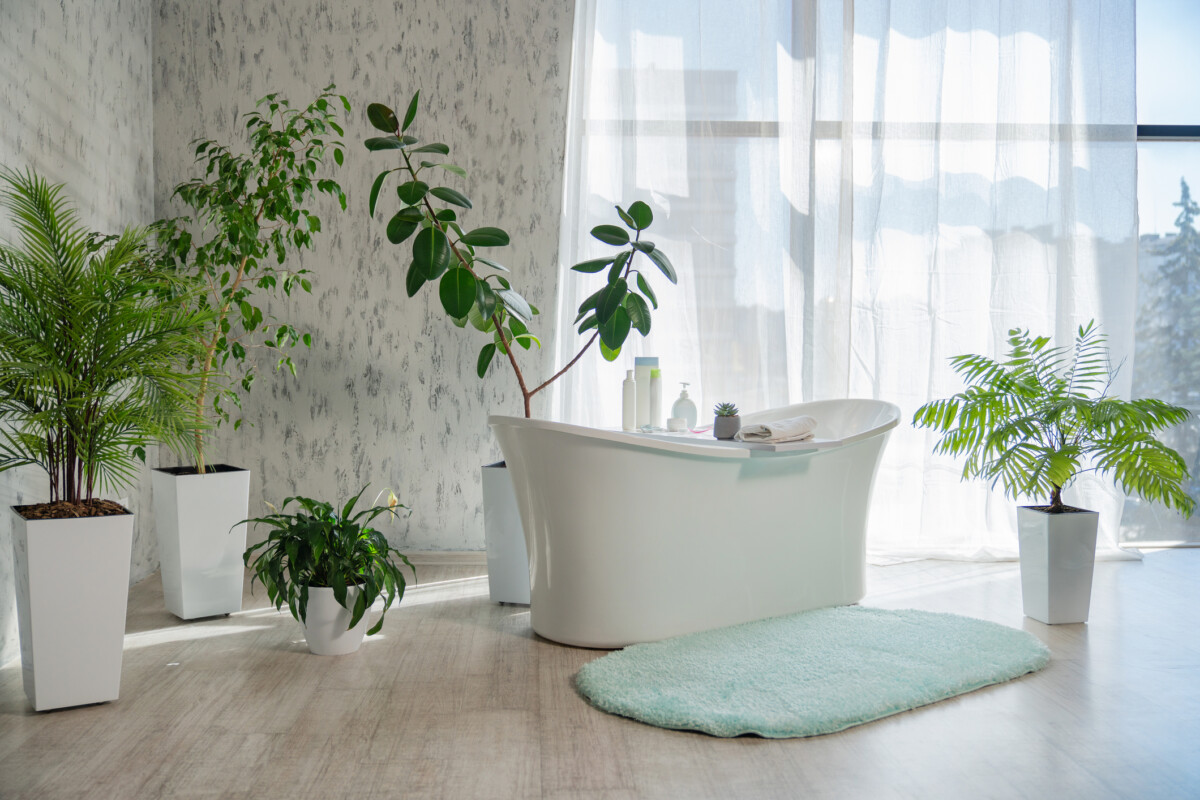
[[249, 213], [472, 288], [1036, 420], [321, 546], [92, 343]]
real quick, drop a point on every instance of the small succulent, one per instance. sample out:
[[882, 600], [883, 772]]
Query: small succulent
[[725, 410]]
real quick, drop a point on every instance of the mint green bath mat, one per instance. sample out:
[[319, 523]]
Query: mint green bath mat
[[807, 674]]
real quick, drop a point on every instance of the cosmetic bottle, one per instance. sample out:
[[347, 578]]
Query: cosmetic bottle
[[656, 417], [629, 402], [685, 408], [641, 372]]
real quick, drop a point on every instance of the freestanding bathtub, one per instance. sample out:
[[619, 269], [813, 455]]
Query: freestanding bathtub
[[636, 537]]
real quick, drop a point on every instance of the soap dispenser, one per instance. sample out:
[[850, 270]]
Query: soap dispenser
[[684, 407]]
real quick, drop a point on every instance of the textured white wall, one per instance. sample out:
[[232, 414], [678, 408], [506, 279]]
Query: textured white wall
[[75, 84], [388, 394]]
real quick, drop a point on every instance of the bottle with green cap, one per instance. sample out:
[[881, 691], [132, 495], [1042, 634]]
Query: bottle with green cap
[[656, 417]]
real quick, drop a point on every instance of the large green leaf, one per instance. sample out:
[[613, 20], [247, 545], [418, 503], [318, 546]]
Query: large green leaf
[[486, 237], [449, 195], [411, 113], [389, 142], [401, 226], [619, 265], [611, 234], [642, 215], [434, 147], [382, 117], [595, 265], [485, 299], [375, 187], [646, 290], [639, 313], [457, 292], [412, 192], [414, 280], [664, 264], [611, 298], [516, 304], [485, 358], [615, 329], [431, 250]]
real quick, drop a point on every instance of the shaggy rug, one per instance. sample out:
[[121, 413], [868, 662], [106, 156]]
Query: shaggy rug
[[807, 674]]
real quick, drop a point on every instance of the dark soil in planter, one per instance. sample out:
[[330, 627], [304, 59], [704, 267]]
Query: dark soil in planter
[[1063, 510], [192, 470], [65, 509]]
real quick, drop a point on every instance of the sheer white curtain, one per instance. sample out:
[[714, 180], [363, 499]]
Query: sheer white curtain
[[853, 192]]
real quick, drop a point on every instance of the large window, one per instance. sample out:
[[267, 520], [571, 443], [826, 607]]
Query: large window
[[1167, 359]]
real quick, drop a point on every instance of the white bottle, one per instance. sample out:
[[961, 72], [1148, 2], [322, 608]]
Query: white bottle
[[629, 402], [641, 370], [685, 408], [656, 419]]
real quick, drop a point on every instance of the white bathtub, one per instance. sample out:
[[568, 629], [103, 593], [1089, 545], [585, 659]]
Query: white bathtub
[[634, 538]]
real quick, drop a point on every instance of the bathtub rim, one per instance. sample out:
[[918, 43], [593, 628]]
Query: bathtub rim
[[888, 415]]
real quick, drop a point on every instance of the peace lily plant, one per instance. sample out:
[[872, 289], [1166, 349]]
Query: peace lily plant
[[1033, 423], [329, 566], [472, 287]]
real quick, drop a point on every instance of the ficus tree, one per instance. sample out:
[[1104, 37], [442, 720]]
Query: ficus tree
[[472, 287], [249, 213], [1042, 416]]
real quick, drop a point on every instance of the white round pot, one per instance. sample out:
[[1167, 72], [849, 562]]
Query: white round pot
[[325, 628]]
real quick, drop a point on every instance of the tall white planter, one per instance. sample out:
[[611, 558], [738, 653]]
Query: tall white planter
[[1058, 554], [504, 537], [200, 544], [72, 579], [325, 626]]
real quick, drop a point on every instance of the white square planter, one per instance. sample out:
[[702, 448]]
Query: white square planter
[[504, 537], [200, 544], [72, 580], [1058, 554]]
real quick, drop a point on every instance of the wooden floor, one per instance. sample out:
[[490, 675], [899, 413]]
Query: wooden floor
[[457, 699]]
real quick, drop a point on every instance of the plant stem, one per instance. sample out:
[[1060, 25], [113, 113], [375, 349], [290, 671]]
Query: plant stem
[[1056, 503]]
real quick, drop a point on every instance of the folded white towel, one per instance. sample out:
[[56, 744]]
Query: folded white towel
[[793, 429]]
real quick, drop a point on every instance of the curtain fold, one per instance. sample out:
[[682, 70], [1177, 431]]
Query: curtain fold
[[852, 193]]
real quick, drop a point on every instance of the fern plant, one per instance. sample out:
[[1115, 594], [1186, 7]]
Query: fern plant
[[320, 546], [1035, 421]]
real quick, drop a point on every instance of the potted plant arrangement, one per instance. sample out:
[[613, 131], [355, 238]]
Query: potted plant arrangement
[[473, 291], [249, 212], [92, 343], [1033, 423], [726, 422], [329, 567]]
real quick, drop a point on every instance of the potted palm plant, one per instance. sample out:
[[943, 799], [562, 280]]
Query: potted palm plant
[[1033, 423], [329, 567], [91, 343], [474, 292], [248, 213]]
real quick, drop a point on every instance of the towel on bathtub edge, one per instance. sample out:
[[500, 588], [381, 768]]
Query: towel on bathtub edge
[[792, 429]]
